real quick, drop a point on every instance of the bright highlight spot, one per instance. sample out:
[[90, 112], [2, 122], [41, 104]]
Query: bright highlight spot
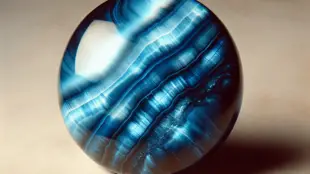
[[98, 49]]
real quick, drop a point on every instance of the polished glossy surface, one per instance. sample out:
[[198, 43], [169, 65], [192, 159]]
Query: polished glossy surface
[[150, 86]]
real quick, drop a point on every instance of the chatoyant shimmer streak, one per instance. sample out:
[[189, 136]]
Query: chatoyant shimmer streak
[[150, 86]]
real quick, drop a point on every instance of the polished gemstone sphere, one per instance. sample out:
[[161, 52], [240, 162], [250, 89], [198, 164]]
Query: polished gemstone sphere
[[150, 86]]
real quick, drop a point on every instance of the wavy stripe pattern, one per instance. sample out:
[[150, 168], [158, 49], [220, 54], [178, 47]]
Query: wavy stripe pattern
[[170, 96]]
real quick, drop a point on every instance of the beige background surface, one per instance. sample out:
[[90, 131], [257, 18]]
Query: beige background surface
[[271, 136]]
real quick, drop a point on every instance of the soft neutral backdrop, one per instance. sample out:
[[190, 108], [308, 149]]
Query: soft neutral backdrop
[[271, 136]]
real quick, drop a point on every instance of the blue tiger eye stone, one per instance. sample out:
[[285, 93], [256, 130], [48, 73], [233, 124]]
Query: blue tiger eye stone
[[150, 86]]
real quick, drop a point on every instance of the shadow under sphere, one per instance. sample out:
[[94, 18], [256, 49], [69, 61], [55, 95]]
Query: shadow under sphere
[[245, 157]]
